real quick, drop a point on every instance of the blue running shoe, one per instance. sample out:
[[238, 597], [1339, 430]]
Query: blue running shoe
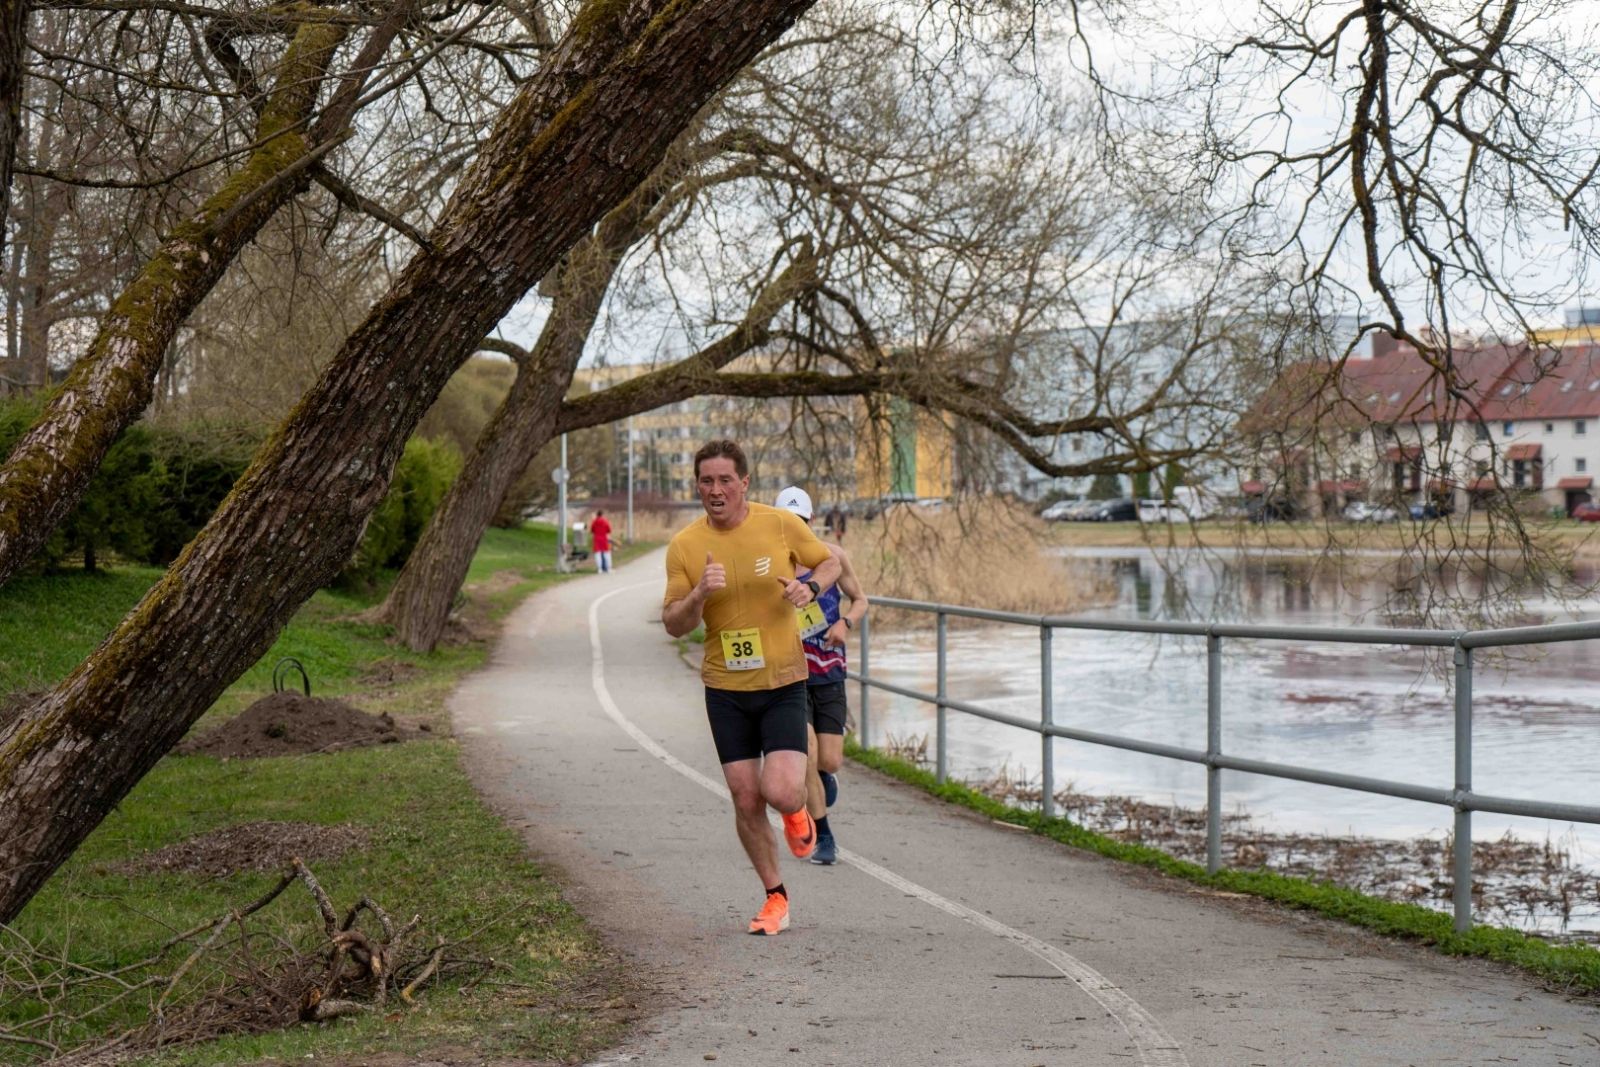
[[827, 852], [830, 788]]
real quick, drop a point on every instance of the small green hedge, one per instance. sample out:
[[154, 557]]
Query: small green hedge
[[1574, 967], [161, 482]]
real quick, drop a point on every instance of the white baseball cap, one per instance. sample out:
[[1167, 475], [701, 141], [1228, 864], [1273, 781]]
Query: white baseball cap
[[796, 500]]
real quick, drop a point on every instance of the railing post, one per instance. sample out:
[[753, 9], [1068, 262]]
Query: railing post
[[1047, 716], [939, 766], [865, 674], [1213, 749], [1462, 890]]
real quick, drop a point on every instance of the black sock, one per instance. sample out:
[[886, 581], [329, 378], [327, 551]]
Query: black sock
[[779, 889], [822, 826]]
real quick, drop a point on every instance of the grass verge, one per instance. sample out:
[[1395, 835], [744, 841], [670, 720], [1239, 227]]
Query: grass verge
[[1570, 967], [432, 847]]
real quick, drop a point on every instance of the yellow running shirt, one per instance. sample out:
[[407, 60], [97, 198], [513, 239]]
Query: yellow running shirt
[[755, 554]]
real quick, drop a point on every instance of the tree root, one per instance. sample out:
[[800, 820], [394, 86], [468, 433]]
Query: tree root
[[233, 980]]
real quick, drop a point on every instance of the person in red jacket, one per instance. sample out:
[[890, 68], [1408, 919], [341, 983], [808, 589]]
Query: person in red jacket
[[600, 530]]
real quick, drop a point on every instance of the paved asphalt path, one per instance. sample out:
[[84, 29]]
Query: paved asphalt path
[[944, 939]]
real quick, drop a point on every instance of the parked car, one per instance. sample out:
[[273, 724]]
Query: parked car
[[866, 507], [1122, 509], [1430, 510], [1060, 510], [1191, 504], [1587, 513], [1361, 511]]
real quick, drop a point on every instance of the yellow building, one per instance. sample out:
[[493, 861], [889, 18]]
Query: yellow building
[[908, 456]]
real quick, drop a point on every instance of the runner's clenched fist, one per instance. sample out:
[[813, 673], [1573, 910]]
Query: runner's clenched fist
[[713, 578]]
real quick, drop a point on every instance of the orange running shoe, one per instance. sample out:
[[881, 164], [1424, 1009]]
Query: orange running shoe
[[800, 830], [774, 916]]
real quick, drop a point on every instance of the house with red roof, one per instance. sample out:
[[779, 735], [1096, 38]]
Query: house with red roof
[[1404, 428]]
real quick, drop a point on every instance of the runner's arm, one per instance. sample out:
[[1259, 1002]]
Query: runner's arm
[[850, 586], [826, 573], [685, 604], [682, 616], [807, 551]]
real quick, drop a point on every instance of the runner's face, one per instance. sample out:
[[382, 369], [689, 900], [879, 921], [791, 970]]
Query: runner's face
[[721, 489]]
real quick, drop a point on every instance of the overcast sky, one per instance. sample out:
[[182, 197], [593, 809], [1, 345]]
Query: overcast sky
[[1150, 54]]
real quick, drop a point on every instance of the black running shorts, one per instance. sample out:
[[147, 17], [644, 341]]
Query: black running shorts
[[828, 706], [747, 725]]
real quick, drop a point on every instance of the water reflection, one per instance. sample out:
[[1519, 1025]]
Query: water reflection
[[1379, 711]]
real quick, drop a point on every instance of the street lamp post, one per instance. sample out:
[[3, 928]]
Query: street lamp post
[[561, 511], [630, 479]]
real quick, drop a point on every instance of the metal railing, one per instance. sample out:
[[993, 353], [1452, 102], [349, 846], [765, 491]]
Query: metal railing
[[1461, 798]]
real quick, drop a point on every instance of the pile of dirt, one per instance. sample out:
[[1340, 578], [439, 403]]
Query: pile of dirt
[[261, 845], [287, 724]]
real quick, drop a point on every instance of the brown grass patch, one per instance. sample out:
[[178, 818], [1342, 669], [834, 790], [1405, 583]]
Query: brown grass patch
[[258, 845]]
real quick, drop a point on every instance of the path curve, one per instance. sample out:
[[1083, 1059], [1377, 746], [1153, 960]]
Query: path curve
[[1156, 1047], [867, 974]]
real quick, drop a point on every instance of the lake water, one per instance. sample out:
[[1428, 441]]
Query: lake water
[[1380, 712]]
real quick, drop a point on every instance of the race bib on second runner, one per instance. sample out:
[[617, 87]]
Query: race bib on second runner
[[811, 620], [741, 650]]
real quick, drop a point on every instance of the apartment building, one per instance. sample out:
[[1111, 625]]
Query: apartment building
[[665, 439], [1117, 369]]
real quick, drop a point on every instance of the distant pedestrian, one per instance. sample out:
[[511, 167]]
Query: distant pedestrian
[[836, 523], [600, 530]]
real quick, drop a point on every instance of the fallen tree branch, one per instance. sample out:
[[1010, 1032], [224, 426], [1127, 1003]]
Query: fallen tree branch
[[344, 971]]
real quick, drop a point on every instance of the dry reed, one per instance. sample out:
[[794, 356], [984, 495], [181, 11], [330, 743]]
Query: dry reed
[[983, 551], [656, 525]]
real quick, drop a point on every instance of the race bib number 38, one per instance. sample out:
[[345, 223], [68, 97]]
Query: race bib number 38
[[812, 621], [741, 650]]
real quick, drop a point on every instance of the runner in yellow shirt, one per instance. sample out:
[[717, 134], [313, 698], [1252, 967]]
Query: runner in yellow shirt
[[734, 569]]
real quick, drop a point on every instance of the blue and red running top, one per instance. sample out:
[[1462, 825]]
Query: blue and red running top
[[825, 664]]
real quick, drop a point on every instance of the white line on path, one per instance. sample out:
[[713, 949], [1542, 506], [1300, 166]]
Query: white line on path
[[1156, 1046]]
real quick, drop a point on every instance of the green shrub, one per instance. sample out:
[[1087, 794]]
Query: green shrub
[[161, 482], [424, 472], [155, 489]]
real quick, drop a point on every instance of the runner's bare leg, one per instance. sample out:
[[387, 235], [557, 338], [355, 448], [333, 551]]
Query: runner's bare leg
[[829, 753], [778, 780], [816, 803]]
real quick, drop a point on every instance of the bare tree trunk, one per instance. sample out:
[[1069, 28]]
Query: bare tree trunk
[[419, 603], [581, 134], [45, 206], [110, 386], [13, 45]]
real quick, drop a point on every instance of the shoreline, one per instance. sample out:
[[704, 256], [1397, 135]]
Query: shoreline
[[1518, 882]]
